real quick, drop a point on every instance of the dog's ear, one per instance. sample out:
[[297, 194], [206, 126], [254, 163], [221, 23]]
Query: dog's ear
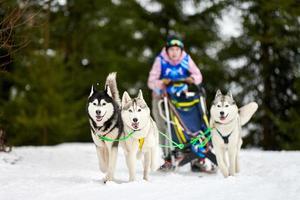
[[140, 95], [125, 98], [218, 93], [229, 94], [108, 91], [92, 91]]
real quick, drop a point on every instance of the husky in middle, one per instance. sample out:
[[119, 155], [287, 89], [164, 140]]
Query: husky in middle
[[144, 140]]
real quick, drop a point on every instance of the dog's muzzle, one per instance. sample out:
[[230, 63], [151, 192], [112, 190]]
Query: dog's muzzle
[[99, 117], [222, 117], [135, 125]]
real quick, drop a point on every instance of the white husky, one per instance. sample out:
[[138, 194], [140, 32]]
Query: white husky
[[105, 122], [144, 140], [226, 122]]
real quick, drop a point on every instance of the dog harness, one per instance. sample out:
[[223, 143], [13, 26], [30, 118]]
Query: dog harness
[[225, 138], [141, 143]]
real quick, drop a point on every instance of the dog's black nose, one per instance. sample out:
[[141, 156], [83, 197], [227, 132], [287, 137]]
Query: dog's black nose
[[135, 119], [221, 113], [98, 112]]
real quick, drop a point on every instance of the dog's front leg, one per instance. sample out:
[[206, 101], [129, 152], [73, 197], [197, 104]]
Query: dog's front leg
[[154, 158], [237, 163], [147, 162], [237, 166], [102, 158], [131, 163], [221, 160], [232, 153], [112, 159]]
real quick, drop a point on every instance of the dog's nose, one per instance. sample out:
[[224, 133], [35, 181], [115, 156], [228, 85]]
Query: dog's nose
[[135, 119], [221, 113], [98, 112]]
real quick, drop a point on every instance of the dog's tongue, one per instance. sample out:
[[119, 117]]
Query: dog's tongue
[[98, 118], [135, 125], [222, 118]]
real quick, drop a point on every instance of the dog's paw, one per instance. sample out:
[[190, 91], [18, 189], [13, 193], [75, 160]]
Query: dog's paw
[[231, 173], [146, 178], [107, 178], [237, 168], [225, 173], [131, 179]]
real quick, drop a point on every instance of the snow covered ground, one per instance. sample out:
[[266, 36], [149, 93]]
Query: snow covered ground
[[70, 171]]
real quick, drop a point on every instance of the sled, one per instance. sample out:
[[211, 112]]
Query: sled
[[187, 124]]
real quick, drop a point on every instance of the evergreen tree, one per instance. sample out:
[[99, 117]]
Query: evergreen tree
[[269, 45], [76, 44]]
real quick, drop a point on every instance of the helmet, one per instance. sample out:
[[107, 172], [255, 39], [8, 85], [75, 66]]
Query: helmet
[[174, 41]]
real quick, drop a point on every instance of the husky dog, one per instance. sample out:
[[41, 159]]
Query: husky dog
[[226, 122], [105, 121], [144, 139]]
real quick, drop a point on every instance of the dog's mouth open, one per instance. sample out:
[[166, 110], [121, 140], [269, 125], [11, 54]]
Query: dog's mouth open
[[135, 125], [222, 117], [99, 117]]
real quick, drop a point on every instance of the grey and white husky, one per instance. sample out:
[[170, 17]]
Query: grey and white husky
[[144, 140], [105, 121], [226, 122]]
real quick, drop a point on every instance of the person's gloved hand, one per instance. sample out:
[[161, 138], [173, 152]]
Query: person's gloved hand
[[189, 80], [166, 81]]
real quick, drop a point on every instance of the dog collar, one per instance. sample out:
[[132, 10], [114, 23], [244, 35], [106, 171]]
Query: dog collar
[[99, 135]]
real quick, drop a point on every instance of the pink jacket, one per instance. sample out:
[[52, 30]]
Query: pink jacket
[[154, 82]]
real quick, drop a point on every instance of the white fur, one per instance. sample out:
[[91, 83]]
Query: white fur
[[106, 109], [92, 91], [231, 123], [146, 129]]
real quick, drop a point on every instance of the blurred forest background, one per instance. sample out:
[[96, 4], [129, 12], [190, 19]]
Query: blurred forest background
[[52, 51]]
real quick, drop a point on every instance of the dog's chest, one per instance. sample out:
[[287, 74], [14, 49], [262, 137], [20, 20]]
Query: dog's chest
[[141, 140], [225, 137]]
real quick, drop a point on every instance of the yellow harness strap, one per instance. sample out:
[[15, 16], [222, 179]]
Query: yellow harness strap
[[141, 142]]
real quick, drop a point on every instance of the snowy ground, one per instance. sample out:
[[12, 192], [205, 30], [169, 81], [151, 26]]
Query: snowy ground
[[70, 171]]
